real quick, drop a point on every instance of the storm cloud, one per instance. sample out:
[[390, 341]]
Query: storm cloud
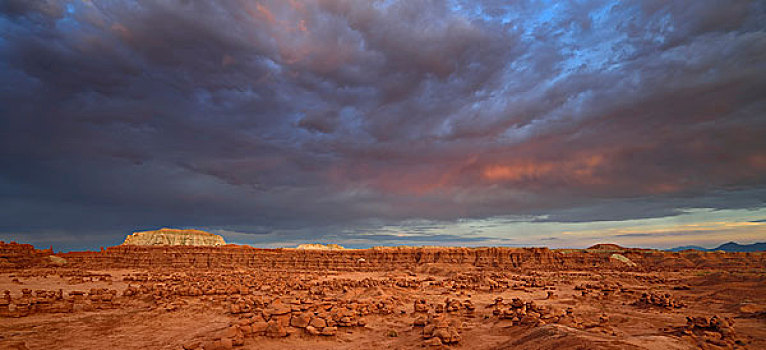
[[299, 120]]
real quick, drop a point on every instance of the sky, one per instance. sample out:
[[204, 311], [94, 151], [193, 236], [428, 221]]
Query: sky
[[365, 123]]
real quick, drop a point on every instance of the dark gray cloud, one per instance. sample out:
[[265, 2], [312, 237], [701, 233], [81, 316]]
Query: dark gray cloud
[[300, 119]]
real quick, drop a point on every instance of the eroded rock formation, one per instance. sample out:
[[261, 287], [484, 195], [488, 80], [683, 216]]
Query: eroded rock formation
[[174, 237], [403, 258], [317, 246], [14, 255]]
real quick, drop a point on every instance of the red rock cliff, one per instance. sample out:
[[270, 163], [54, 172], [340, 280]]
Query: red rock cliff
[[382, 259], [14, 255]]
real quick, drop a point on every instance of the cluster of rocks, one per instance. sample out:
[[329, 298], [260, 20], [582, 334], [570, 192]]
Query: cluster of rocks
[[531, 282], [714, 330], [528, 313], [450, 305], [280, 319], [454, 305], [88, 277], [600, 290], [47, 301], [437, 330], [274, 305], [651, 299], [493, 282], [241, 293], [99, 298], [222, 283]]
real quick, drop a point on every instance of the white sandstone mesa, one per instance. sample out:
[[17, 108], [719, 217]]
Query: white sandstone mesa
[[169, 236]]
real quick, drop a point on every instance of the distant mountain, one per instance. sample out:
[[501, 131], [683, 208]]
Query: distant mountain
[[726, 247], [687, 247], [735, 247]]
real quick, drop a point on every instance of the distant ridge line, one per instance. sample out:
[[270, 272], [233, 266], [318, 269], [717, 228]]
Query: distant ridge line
[[731, 247]]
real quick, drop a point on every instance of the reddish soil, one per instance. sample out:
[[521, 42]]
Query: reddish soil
[[131, 297]]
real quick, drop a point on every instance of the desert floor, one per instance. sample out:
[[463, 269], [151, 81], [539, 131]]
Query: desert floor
[[432, 307]]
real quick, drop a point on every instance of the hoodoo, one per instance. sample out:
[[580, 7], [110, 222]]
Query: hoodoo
[[169, 236]]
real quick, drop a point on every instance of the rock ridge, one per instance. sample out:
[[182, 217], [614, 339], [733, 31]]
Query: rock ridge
[[383, 259]]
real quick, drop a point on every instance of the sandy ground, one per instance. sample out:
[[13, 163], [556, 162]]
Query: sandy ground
[[609, 315]]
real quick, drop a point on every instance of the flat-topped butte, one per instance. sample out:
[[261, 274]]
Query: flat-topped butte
[[174, 237]]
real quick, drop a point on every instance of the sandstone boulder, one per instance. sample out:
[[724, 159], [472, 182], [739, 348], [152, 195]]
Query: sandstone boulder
[[300, 321], [275, 330]]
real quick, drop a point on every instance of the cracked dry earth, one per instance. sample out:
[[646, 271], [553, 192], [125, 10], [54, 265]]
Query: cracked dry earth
[[431, 306]]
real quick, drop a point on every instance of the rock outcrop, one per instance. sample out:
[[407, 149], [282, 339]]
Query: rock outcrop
[[174, 237], [621, 258], [14, 255], [317, 246]]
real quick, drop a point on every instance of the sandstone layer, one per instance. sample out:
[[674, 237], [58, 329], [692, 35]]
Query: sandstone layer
[[174, 237], [14, 255], [403, 258]]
